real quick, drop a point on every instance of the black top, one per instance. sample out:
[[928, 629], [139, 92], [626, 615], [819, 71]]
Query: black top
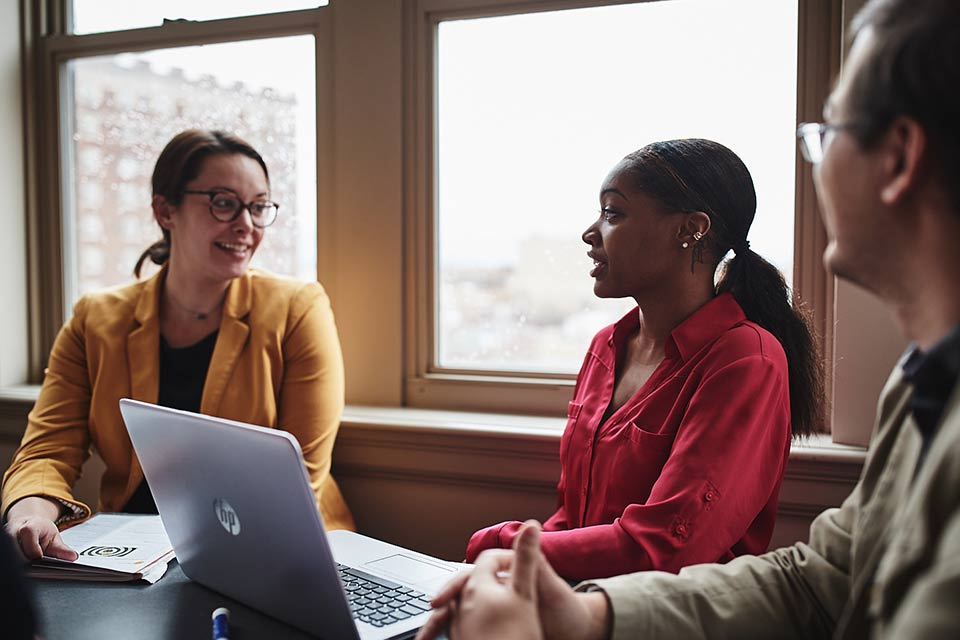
[[182, 375], [933, 375]]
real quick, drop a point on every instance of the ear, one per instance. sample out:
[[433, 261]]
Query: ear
[[905, 147], [163, 212], [692, 223]]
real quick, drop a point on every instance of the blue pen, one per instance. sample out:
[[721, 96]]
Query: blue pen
[[221, 617]]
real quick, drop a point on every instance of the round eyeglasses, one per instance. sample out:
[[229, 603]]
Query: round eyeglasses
[[226, 206], [814, 138]]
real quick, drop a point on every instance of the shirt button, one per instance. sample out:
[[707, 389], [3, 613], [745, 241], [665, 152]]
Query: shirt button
[[681, 529], [710, 496]]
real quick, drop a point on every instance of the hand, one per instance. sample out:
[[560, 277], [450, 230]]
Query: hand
[[493, 604], [560, 612], [30, 522]]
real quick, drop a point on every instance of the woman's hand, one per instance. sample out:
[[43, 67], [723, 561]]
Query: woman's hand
[[30, 522], [516, 594]]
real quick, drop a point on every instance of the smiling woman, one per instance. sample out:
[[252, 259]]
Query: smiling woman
[[680, 425], [205, 334]]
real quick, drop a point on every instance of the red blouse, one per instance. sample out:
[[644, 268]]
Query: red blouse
[[687, 471]]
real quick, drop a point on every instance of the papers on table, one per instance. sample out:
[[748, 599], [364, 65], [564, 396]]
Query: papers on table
[[113, 547]]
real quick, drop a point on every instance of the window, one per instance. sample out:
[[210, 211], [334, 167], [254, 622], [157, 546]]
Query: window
[[526, 131], [125, 107], [98, 16], [379, 191], [520, 136], [107, 90]]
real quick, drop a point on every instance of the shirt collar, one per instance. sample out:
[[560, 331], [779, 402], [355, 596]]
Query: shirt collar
[[943, 358], [701, 328], [933, 374]]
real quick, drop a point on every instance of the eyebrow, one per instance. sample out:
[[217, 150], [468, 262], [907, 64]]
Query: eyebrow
[[616, 191], [234, 191]]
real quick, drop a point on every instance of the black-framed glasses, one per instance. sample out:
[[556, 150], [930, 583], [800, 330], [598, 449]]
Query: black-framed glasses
[[814, 138], [226, 206]]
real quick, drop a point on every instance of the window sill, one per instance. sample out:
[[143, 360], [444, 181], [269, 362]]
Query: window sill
[[459, 453], [471, 447], [16, 401], [817, 448]]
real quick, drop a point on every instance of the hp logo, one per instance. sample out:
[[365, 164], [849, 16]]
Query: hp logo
[[227, 516]]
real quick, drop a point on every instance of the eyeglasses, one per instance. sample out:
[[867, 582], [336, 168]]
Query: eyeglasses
[[226, 206], [813, 138]]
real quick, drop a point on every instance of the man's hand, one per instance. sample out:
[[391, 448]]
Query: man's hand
[[516, 594], [30, 522]]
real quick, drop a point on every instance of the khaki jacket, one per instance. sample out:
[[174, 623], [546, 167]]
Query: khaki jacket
[[276, 363], [886, 564]]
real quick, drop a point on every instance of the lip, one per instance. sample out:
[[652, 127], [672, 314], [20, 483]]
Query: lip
[[235, 248], [599, 264]]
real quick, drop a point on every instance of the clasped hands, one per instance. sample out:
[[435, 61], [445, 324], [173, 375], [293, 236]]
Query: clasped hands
[[516, 595]]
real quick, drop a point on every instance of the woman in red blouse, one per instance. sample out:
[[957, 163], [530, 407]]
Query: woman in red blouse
[[681, 420]]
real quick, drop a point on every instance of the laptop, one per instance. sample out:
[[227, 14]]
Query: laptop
[[236, 502]]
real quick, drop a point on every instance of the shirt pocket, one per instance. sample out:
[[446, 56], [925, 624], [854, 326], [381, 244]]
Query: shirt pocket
[[639, 457], [573, 414]]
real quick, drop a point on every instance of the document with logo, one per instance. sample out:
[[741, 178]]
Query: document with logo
[[113, 547]]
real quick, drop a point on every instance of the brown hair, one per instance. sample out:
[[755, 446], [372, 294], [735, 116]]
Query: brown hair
[[912, 69], [701, 175], [179, 163]]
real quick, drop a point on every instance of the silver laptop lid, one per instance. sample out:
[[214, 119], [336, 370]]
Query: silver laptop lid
[[236, 502]]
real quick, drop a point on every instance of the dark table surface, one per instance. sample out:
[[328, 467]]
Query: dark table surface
[[174, 607]]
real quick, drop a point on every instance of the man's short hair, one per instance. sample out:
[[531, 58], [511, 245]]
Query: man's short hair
[[912, 69]]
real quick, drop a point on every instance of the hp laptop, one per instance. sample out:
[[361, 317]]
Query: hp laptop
[[236, 502]]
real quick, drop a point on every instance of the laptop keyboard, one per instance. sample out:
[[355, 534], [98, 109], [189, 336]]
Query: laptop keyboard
[[380, 602]]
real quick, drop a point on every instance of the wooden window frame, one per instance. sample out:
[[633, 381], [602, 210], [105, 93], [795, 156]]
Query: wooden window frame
[[47, 47], [427, 385]]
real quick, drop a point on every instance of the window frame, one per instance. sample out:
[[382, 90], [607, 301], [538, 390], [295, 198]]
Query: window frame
[[47, 48], [373, 182], [428, 385]]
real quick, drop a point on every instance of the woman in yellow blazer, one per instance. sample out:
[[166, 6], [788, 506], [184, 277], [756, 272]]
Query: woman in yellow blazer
[[206, 334]]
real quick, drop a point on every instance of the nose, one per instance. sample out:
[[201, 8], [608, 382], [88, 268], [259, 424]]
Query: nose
[[590, 234], [243, 223]]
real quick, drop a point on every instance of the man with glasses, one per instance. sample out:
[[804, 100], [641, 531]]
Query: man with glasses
[[886, 564]]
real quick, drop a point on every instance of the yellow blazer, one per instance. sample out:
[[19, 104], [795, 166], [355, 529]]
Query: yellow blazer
[[277, 363]]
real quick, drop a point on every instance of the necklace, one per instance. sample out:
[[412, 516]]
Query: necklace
[[197, 315]]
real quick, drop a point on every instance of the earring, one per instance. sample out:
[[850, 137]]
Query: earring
[[685, 245], [697, 235]]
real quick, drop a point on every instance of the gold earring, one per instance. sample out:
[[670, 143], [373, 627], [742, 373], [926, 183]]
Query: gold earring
[[697, 235]]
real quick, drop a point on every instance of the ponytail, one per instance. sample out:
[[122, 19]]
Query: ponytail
[[701, 175], [762, 293], [158, 252]]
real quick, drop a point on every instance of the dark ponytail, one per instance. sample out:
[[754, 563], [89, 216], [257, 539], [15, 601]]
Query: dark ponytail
[[702, 175], [158, 253], [181, 162], [761, 292]]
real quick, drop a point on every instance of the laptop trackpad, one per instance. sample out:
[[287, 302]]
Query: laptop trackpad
[[409, 569]]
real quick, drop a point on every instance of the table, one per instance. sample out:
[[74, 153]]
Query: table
[[173, 608]]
